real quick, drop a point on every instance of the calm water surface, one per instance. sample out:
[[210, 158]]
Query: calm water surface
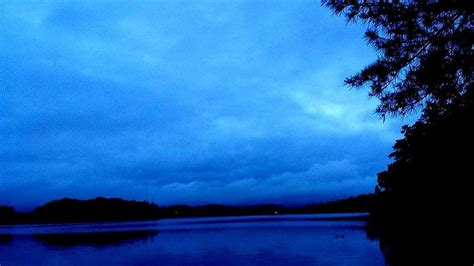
[[245, 240]]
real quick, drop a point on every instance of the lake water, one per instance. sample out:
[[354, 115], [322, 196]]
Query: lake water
[[245, 240]]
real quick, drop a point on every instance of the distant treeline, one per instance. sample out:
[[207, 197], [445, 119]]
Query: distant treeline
[[103, 209]]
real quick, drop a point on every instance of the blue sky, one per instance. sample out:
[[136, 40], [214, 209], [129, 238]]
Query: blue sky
[[194, 102]]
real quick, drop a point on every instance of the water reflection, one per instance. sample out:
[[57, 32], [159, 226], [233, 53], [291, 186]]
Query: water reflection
[[5, 238], [94, 238], [299, 241]]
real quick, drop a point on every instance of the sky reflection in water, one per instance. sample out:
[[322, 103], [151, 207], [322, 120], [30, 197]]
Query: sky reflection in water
[[287, 240]]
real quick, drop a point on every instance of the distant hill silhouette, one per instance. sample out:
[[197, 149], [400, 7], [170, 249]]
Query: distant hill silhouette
[[73, 211], [103, 209], [99, 209]]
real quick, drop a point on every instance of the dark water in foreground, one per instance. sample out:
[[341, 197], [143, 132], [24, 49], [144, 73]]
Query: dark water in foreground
[[248, 240]]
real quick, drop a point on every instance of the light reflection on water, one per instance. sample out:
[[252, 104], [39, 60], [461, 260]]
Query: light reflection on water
[[245, 240]]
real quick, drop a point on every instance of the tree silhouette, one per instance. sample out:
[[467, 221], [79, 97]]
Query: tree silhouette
[[425, 52], [425, 64]]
